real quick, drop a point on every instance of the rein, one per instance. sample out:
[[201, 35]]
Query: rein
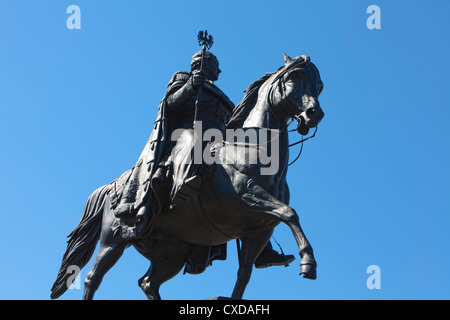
[[296, 117], [244, 144], [301, 148], [301, 141]]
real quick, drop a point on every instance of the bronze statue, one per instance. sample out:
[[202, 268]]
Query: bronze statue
[[181, 213]]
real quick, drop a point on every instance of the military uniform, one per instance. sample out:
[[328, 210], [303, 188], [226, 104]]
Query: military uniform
[[135, 190]]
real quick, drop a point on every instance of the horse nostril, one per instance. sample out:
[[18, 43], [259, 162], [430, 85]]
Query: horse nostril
[[311, 112]]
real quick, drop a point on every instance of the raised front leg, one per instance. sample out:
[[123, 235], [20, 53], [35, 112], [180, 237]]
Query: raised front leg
[[259, 202], [308, 264]]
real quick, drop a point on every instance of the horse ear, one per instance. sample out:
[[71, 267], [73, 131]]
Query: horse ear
[[287, 59], [306, 59]]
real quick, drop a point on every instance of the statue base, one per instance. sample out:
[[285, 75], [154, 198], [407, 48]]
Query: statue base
[[221, 298]]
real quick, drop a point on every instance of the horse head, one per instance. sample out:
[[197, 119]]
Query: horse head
[[295, 90]]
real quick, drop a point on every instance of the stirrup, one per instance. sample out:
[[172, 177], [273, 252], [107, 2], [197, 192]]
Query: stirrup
[[273, 259]]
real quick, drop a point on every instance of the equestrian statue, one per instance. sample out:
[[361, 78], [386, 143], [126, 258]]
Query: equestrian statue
[[178, 209]]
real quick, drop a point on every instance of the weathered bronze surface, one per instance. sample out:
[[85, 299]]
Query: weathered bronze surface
[[179, 210]]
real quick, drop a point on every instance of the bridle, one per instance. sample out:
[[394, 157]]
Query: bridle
[[285, 129], [301, 141], [297, 117]]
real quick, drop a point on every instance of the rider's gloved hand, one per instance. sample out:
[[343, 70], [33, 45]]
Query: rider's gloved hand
[[198, 79]]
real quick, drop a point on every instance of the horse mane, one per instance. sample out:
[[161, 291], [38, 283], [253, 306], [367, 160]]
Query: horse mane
[[242, 110]]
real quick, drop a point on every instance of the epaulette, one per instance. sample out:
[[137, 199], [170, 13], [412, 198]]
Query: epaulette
[[179, 76]]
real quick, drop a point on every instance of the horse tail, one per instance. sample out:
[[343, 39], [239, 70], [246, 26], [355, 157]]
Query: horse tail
[[82, 242]]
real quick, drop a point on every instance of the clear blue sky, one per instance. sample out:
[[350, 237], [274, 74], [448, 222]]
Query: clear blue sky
[[77, 106]]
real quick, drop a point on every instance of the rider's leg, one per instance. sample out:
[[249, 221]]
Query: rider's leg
[[186, 168], [269, 257]]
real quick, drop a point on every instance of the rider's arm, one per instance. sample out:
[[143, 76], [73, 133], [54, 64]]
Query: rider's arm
[[186, 92]]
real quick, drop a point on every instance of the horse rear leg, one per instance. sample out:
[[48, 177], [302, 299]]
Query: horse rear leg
[[167, 258], [250, 250], [110, 251], [160, 271], [107, 257]]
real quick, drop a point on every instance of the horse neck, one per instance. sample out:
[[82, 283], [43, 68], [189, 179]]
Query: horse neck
[[264, 115]]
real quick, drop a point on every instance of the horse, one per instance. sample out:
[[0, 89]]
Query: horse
[[237, 201]]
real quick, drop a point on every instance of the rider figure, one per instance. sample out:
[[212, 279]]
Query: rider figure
[[191, 98], [197, 103]]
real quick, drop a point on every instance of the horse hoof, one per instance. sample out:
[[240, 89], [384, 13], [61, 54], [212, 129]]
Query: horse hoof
[[308, 271]]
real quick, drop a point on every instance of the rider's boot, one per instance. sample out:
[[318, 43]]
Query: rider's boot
[[269, 257], [159, 178], [189, 188], [124, 210]]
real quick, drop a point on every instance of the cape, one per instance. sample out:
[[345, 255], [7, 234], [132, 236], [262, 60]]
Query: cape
[[134, 187]]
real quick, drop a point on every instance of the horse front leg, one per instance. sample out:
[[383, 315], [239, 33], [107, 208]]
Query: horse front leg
[[308, 264], [258, 201], [251, 248]]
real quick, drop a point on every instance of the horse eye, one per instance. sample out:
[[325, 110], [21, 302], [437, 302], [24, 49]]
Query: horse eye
[[320, 89], [294, 76]]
